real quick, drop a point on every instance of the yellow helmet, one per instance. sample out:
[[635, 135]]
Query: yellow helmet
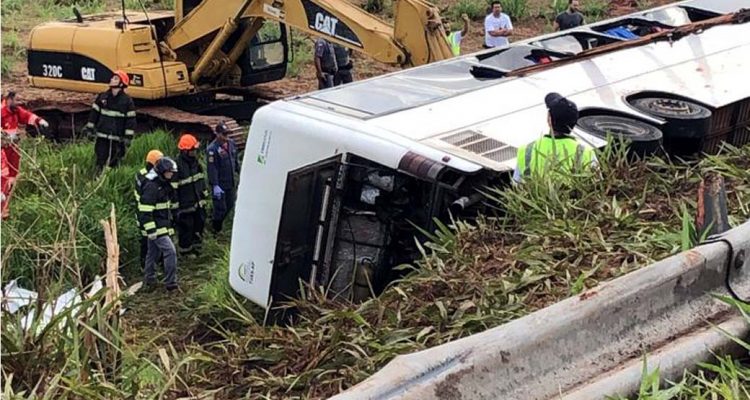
[[153, 156]]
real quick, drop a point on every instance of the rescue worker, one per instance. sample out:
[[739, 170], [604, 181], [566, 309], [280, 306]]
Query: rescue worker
[[155, 214], [222, 165], [344, 65], [4, 175], [152, 158], [454, 38], [325, 63], [192, 193], [112, 122], [556, 150], [12, 115]]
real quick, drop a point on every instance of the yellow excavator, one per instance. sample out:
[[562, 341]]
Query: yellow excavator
[[214, 46]]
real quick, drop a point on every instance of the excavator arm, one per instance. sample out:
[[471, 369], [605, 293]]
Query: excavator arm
[[416, 37]]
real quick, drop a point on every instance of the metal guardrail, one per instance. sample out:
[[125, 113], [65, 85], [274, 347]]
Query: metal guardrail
[[591, 345]]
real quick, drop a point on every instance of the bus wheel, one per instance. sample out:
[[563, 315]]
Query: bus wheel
[[687, 123], [644, 139]]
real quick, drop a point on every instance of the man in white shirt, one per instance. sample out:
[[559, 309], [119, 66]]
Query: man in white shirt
[[497, 27]]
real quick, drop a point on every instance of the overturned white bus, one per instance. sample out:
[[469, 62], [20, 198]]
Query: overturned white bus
[[333, 182]]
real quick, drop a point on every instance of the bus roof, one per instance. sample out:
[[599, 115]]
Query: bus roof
[[443, 105]]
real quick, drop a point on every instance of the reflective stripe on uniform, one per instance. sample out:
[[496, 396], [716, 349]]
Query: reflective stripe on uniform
[[129, 132], [146, 208], [162, 206], [149, 225], [164, 231], [190, 179], [113, 113], [130, 114], [96, 107], [110, 137]]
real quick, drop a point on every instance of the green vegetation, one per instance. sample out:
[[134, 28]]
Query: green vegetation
[[726, 378], [60, 199], [550, 242], [474, 9], [516, 9], [594, 10], [301, 53]]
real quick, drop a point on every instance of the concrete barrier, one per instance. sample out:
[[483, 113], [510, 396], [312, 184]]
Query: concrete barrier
[[588, 346]]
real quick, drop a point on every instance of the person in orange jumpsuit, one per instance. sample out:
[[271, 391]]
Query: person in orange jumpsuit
[[12, 116]]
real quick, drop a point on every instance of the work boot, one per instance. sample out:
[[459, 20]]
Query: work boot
[[172, 287], [216, 227]]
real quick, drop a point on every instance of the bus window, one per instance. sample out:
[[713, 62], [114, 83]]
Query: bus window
[[574, 43], [517, 57], [630, 28], [676, 16]]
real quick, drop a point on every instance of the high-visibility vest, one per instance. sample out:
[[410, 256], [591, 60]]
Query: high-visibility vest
[[561, 154], [454, 43]]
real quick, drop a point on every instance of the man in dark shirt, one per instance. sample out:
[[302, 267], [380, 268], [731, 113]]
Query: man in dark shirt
[[569, 18]]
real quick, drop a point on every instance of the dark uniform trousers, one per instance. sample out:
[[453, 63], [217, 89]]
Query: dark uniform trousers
[[190, 227], [112, 121]]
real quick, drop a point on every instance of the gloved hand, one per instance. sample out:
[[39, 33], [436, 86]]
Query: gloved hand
[[218, 192], [151, 236], [87, 131], [43, 123], [2, 196]]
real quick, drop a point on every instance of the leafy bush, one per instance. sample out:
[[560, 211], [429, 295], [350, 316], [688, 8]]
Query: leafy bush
[[302, 53], [557, 7], [474, 9], [516, 9], [594, 10]]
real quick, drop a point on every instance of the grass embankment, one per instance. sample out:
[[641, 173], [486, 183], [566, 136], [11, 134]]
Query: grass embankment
[[551, 242]]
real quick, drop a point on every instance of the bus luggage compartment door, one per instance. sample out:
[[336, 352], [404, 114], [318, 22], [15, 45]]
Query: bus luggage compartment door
[[308, 201]]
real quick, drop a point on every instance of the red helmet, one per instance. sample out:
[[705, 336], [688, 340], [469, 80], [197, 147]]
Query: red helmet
[[188, 142], [124, 78]]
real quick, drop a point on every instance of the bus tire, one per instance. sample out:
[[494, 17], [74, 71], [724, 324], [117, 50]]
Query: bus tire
[[644, 139], [687, 123]]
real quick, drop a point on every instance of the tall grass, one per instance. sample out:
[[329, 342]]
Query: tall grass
[[474, 9], [516, 9], [594, 10], [54, 229], [53, 242], [302, 53], [549, 241]]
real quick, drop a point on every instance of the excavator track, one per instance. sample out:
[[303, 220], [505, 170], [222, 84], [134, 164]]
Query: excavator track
[[67, 119]]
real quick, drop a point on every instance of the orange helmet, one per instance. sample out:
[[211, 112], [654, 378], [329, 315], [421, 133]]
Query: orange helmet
[[124, 78], [188, 142], [153, 156]]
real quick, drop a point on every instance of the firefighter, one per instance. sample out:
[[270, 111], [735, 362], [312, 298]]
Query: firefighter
[[112, 122], [5, 175], [12, 116], [222, 166], [140, 179], [558, 149], [155, 215], [192, 193]]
